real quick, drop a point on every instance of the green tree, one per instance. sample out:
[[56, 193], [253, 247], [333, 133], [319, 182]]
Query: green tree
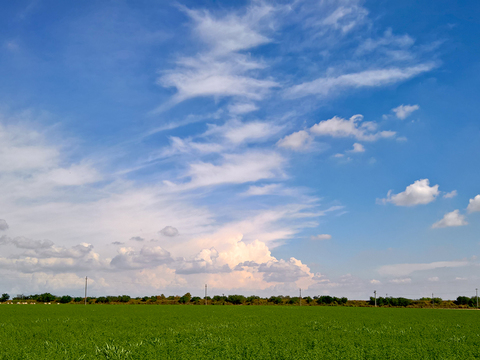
[[185, 298], [4, 297], [65, 299]]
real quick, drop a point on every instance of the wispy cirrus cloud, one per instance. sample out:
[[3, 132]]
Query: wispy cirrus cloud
[[325, 86]]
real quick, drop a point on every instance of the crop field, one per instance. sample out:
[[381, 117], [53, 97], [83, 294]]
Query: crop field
[[235, 332]]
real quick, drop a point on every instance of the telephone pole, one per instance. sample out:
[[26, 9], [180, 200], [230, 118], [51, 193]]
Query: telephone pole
[[476, 295], [300, 298], [205, 294], [86, 278], [375, 292], [433, 301]]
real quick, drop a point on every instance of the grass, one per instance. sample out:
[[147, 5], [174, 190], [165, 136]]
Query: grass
[[235, 332]]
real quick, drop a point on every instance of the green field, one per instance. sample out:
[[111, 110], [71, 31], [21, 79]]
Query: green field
[[235, 332]]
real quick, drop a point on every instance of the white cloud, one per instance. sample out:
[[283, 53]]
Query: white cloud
[[433, 279], [169, 231], [369, 78], [375, 282], [357, 148], [321, 237], [474, 204], [450, 194], [407, 269], [418, 193], [236, 169], [262, 190], [353, 127], [345, 18], [3, 225], [404, 111], [242, 108], [236, 132], [453, 218], [221, 71], [387, 42], [297, 141], [401, 281]]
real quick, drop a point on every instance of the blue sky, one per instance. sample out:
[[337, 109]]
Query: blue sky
[[258, 147]]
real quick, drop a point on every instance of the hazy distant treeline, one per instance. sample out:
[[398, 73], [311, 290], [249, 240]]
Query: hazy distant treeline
[[188, 299]]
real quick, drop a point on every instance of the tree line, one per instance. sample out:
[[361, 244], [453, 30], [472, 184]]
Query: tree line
[[325, 300]]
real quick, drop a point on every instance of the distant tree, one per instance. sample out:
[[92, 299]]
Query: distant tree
[[124, 298], [325, 300], [78, 299], [195, 299], [236, 299], [462, 300], [185, 298], [4, 297], [102, 300], [252, 299], [275, 299], [45, 297], [309, 300], [65, 299]]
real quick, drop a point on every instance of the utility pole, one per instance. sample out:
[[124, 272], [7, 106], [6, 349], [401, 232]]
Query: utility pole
[[476, 295], [300, 298], [375, 292], [433, 301], [205, 294], [86, 278]]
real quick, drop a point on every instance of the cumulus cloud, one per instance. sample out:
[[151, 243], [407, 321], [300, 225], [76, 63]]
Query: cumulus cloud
[[169, 231], [418, 193], [450, 194], [353, 127], [369, 78], [474, 204], [375, 282], [321, 237], [357, 148], [283, 271], [404, 111], [453, 218], [3, 225], [297, 141]]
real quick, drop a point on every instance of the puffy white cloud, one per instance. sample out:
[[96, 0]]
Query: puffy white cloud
[[353, 127], [3, 225], [450, 194], [375, 282], [321, 237], [357, 148], [474, 204], [369, 78], [283, 271], [453, 218], [404, 111], [418, 193], [406, 269], [169, 231], [297, 141]]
